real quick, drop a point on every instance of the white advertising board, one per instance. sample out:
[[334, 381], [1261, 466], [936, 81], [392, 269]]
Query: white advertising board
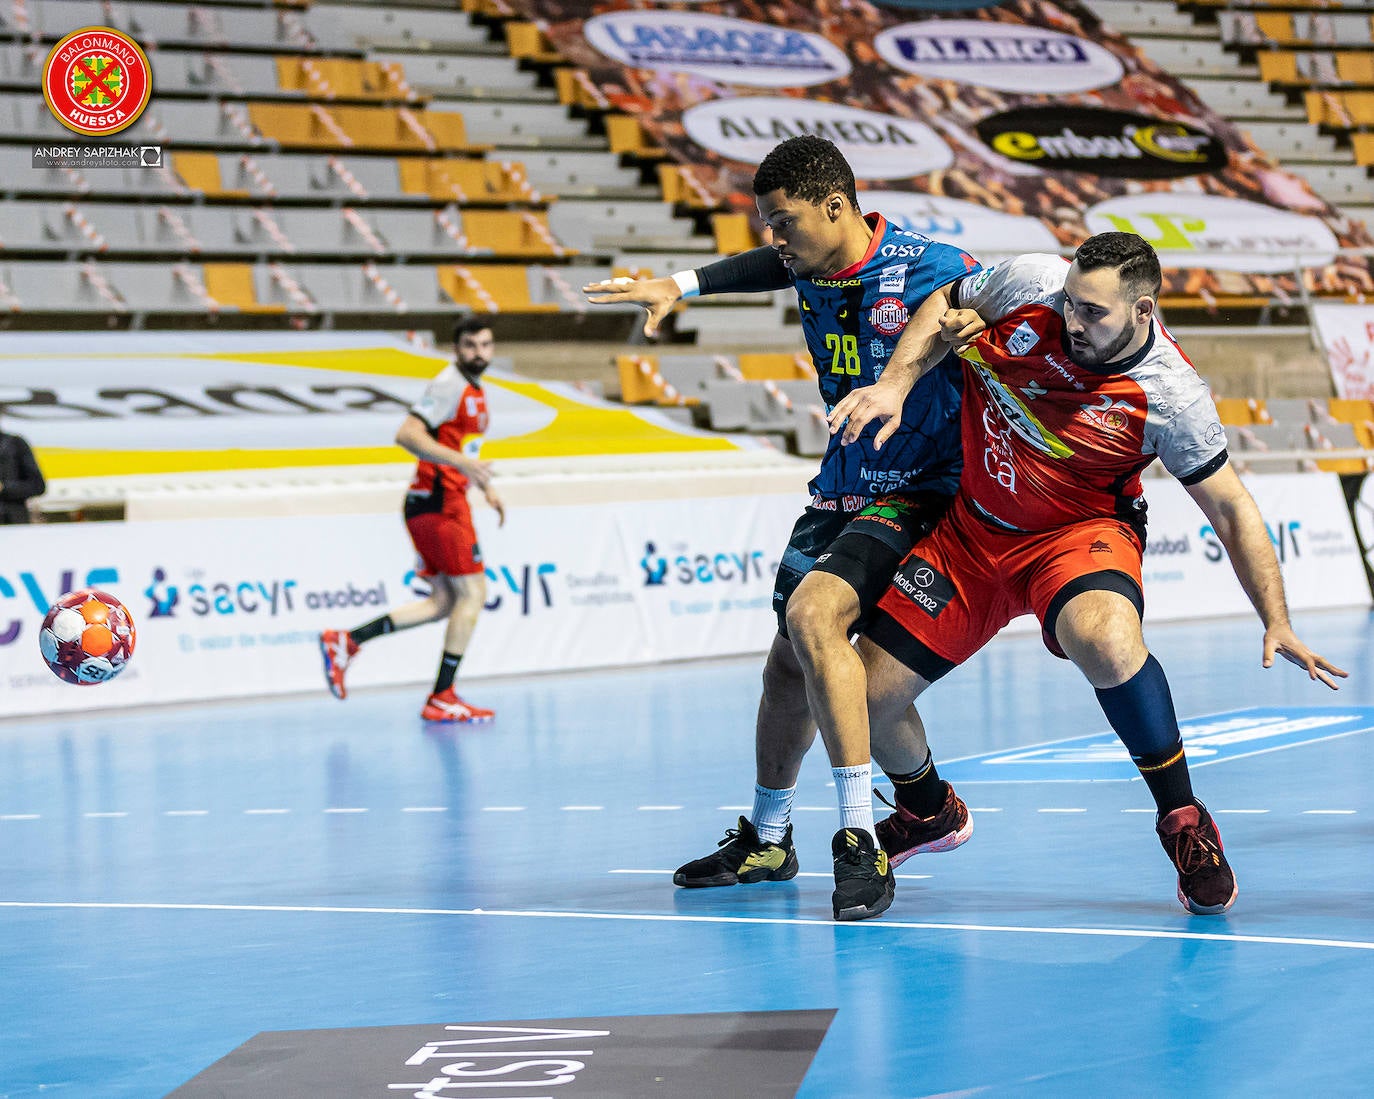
[[1347, 336]]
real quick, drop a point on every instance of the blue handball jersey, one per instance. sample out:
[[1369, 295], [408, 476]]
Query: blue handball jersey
[[852, 322]]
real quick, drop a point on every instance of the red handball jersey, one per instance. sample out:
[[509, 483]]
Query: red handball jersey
[[1048, 442], [455, 411]]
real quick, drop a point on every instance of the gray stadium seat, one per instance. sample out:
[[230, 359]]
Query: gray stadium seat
[[521, 124], [459, 74], [598, 226], [398, 27]]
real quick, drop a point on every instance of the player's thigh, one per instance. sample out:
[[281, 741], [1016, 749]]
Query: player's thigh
[[947, 599], [469, 589], [446, 543], [1086, 589], [811, 535]]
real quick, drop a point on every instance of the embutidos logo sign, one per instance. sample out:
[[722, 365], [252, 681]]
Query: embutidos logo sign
[[97, 81], [1102, 142]]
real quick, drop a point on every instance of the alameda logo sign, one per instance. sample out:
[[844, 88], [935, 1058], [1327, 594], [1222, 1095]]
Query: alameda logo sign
[[735, 51], [877, 146], [1006, 56]]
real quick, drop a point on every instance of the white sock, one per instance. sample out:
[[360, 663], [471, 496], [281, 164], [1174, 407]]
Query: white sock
[[772, 811], [854, 788]]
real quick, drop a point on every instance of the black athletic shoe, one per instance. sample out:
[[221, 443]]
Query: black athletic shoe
[[1206, 885], [743, 859], [863, 879]]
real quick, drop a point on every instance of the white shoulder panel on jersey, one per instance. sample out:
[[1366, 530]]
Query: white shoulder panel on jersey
[[440, 400], [1181, 423], [1037, 277]]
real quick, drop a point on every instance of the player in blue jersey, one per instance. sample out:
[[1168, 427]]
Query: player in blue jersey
[[859, 282]]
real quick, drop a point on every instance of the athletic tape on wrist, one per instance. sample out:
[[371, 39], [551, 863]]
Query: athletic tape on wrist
[[688, 283]]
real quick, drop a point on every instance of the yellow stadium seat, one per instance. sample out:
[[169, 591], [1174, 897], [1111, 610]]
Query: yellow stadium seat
[[626, 135], [1355, 66], [636, 378], [1363, 147], [1238, 411], [1276, 26], [733, 233], [231, 284], [681, 189], [453, 180], [491, 288], [341, 78], [1349, 411], [200, 172], [527, 42], [776, 366], [522, 233], [1279, 67]]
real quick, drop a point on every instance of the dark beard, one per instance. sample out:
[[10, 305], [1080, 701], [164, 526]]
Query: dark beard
[[1097, 358]]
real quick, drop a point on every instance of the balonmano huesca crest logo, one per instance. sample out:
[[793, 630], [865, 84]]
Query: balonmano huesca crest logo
[[97, 81]]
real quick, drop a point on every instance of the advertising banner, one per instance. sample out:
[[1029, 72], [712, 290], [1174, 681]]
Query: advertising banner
[[1347, 336], [234, 607], [965, 101]]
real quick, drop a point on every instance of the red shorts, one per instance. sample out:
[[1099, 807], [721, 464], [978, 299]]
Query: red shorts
[[968, 579], [446, 543]]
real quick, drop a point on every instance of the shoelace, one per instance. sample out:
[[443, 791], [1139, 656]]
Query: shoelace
[[1194, 851], [731, 835]]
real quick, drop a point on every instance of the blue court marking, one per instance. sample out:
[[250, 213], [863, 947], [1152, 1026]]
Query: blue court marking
[[1216, 738]]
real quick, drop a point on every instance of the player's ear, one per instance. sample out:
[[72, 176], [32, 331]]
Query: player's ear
[[1144, 309], [835, 204]]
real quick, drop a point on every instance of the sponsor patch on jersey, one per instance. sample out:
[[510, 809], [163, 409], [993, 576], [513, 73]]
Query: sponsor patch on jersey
[[924, 585], [892, 280], [888, 316], [1023, 339]]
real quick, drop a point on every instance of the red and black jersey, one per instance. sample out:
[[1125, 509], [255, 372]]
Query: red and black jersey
[[455, 412], [1048, 442]]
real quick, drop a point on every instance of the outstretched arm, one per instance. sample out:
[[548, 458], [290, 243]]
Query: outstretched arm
[[1231, 510], [755, 271]]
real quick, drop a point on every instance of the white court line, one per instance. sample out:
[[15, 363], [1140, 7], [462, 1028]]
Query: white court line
[[629, 917], [1250, 812], [20, 816], [1061, 810], [187, 813], [658, 808], [103, 816], [425, 809], [814, 809], [340, 809], [503, 808], [583, 808], [1328, 812], [1151, 811], [799, 874], [265, 812], [982, 809], [734, 808]]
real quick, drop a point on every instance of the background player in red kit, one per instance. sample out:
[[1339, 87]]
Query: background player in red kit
[[1073, 388], [439, 520]]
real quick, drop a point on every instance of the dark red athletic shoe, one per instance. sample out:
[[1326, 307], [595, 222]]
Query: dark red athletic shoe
[[903, 834], [1206, 886]]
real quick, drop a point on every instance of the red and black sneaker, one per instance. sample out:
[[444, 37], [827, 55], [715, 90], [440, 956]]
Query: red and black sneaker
[[338, 648], [903, 834], [1206, 885]]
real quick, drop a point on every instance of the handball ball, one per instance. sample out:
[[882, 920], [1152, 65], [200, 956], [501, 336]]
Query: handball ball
[[87, 637]]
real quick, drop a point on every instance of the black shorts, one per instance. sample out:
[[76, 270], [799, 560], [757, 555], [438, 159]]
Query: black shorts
[[862, 548]]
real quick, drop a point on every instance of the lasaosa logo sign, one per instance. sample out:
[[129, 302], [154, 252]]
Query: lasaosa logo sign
[[1102, 142], [718, 47], [1227, 234], [1009, 57], [877, 146]]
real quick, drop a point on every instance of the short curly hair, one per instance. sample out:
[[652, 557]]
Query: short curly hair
[[809, 168], [1134, 260]]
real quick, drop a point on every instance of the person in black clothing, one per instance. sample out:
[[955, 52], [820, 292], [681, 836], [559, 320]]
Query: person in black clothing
[[20, 478]]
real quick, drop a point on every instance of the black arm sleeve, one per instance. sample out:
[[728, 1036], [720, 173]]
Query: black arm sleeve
[[750, 272], [954, 292], [29, 481]]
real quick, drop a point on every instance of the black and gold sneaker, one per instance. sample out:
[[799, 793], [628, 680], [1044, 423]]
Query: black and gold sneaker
[[864, 884], [742, 859]]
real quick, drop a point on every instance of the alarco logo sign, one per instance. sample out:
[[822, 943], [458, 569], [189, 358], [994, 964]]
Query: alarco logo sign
[[966, 225], [1229, 234], [877, 146], [1102, 142], [1006, 56], [735, 51]]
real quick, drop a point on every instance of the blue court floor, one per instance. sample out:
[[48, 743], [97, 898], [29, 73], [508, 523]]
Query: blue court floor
[[177, 880]]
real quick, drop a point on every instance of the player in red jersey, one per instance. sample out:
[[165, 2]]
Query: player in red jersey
[[1071, 390], [452, 411]]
